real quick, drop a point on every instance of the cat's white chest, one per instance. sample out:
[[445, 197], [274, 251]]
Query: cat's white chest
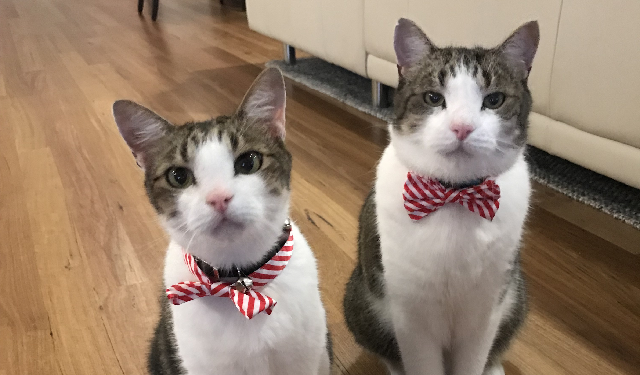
[[212, 335], [452, 256]]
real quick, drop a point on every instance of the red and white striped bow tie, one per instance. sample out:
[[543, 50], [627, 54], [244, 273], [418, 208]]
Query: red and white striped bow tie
[[423, 196], [249, 302]]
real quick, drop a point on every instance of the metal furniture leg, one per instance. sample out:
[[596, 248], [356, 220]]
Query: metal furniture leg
[[380, 94], [289, 54]]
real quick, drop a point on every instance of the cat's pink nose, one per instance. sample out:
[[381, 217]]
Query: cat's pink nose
[[219, 199], [461, 130]]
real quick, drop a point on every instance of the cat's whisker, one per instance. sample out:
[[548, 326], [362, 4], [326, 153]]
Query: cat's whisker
[[189, 243], [153, 243], [507, 144]]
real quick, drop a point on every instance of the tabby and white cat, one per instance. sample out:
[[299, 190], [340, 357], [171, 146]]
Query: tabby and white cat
[[221, 188], [441, 291]]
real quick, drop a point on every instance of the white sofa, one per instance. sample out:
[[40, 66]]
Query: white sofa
[[585, 79]]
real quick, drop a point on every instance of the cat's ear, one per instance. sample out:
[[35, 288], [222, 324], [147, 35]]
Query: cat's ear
[[140, 127], [264, 103], [411, 44], [521, 46]]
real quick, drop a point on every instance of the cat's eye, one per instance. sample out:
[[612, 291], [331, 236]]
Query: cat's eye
[[433, 98], [248, 163], [179, 177], [493, 100]]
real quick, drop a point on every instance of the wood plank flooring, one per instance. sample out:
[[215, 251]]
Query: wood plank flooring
[[81, 250]]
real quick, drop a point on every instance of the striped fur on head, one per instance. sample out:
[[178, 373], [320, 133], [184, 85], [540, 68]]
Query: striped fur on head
[[220, 202], [465, 78], [181, 144]]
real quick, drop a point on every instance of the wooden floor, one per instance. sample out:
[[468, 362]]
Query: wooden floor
[[81, 251]]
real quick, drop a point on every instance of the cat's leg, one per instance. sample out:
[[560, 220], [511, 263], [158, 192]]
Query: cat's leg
[[368, 317], [420, 345], [496, 369], [421, 354], [393, 368], [471, 349], [325, 365], [478, 329], [512, 320]]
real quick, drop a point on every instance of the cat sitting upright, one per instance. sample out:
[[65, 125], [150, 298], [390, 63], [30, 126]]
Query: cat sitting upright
[[437, 288], [241, 281]]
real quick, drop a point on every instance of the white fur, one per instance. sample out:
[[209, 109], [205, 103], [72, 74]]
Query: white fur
[[495, 370], [444, 274], [251, 217], [434, 150], [212, 336]]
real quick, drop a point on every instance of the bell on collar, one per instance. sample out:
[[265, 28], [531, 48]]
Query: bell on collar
[[243, 285], [287, 225]]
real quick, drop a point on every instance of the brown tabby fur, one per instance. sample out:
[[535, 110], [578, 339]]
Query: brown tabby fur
[[490, 69], [178, 148]]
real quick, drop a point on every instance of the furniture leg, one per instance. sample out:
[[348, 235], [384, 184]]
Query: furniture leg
[[380, 94], [154, 9], [289, 54]]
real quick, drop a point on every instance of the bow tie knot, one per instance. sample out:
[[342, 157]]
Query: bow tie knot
[[248, 301], [423, 196]]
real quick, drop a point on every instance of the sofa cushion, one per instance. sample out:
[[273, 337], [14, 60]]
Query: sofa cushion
[[595, 84], [610, 158], [330, 29], [464, 22]]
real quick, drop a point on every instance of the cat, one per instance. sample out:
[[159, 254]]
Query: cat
[[441, 291], [221, 188]]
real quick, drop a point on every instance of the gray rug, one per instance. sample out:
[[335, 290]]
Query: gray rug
[[616, 199]]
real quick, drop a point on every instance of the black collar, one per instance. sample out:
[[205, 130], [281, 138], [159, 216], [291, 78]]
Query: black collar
[[462, 185], [215, 274]]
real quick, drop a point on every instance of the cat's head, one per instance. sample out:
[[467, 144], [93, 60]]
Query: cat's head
[[462, 113], [221, 186]]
